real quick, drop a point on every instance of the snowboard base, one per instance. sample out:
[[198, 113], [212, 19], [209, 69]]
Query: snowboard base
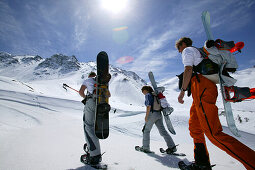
[[102, 96], [169, 125]]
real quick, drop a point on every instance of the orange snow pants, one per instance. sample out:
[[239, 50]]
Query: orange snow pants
[[204, 119]]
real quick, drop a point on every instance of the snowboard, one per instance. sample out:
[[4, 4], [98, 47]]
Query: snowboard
[[102, 96], [174, 153], [138, 148], [227, 105], [166, 115]]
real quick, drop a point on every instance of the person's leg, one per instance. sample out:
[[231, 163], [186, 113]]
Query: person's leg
[[162, 131], [201, 154], [89, 129], [147, 129], [208, 117]]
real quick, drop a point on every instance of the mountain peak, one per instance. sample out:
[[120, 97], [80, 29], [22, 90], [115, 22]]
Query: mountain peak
[[58, 62]]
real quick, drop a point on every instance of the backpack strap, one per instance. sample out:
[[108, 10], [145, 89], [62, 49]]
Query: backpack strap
[[206, 66], [204, 53], [155, 97]]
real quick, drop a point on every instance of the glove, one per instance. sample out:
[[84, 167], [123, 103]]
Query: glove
[[84, 101]]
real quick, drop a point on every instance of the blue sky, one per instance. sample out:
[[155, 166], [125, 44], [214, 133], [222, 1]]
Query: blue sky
[[143, 29]]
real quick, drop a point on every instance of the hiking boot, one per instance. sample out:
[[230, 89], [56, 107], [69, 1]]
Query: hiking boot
[[85, 158], [195, 166], [171, 150], [142, 149], [94, 160], [145, 150], [91, 160]]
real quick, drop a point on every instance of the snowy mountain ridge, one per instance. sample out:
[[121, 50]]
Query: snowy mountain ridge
[[57, 64], [66, 69]]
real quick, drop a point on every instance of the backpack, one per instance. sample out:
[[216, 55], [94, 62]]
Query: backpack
[[206, 66], [219, 52], [156, 103], [214, 54]]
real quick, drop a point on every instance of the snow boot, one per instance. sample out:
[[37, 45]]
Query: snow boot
[[201, 155], [90, 160], [171, 150], [142, 149], [193, 166]]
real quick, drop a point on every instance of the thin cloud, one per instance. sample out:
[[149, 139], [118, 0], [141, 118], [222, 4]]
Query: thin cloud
[[81, 29], [81, 20], [150, 55], [10, 30]]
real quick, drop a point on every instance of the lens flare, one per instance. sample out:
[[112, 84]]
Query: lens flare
[[120, 35], [125, 60], [120, 28]]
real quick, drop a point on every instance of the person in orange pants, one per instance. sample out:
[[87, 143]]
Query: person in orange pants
[[204, 117]]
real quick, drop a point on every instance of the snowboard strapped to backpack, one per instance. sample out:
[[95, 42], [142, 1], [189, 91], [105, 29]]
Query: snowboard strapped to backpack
[[214, 54]]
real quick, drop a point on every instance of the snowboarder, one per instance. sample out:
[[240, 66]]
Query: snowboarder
[[204, 113], [94, 156], [154, 117]]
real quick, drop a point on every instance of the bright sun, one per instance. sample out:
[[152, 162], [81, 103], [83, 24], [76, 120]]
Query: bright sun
[[114, 6]]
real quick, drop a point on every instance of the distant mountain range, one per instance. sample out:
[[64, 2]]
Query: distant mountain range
[[57, 65], [125, 85]]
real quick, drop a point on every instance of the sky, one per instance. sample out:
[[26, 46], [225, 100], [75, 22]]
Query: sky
[[138, 35]]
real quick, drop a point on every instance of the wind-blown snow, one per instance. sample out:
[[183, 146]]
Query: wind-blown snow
[[41, 122]]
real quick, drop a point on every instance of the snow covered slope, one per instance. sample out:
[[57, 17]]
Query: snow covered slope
[[41, 123]]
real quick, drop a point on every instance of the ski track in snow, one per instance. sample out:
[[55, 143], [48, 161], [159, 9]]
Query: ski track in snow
[[42, 132]]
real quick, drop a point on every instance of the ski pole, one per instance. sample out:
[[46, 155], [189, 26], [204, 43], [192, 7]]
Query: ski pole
[[65, 85]]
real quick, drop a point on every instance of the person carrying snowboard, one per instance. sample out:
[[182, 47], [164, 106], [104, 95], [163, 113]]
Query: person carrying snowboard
[[204, 117], [94, 155], [154, 117]]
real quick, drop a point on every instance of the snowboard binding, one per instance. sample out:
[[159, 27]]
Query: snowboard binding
[[238, 94], [87, 159]]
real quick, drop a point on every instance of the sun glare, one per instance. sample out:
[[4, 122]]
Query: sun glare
[[114, 6]]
